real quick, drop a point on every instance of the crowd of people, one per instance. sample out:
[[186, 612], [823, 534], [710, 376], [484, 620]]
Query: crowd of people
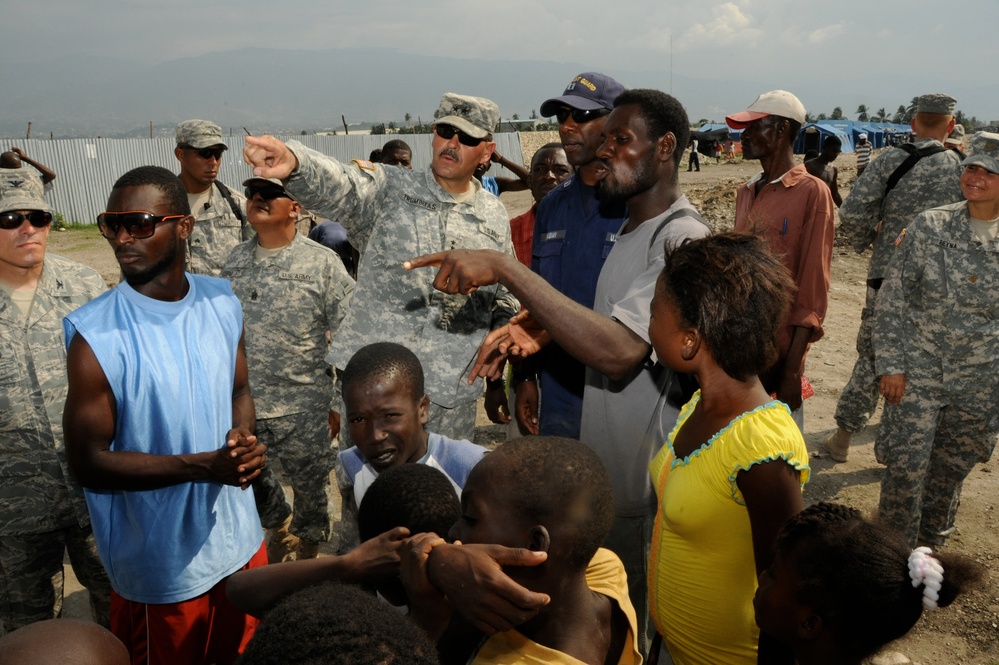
[[649, 503]]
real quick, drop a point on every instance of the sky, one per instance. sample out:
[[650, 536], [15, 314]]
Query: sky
[[782, 41]]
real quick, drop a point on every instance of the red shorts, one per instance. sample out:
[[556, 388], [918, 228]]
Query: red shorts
[[203, 630]]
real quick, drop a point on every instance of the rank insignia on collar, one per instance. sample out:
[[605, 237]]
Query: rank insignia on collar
[[900, 238]]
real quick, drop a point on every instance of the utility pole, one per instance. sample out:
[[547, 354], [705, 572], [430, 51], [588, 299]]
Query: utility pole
[[343, 119]]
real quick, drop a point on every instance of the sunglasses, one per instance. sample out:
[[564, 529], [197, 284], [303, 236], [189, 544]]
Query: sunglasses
[[138, 223], [447, 132], [13, 220], [267, 192], [205, 153], [579, 116]]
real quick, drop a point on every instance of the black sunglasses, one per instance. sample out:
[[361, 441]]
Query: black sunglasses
[[267, 192], [13, 220], [446, 132], [579, 115], [205, 153], [138, 223]]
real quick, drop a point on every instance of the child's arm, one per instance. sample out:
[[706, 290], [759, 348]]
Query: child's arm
[[257, 590], [772, 492], [427, 606]]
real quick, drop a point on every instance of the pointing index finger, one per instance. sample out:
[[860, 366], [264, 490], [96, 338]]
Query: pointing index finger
[[425, 261]]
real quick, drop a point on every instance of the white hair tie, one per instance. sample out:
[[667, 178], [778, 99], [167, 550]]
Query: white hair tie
[[925, 570]]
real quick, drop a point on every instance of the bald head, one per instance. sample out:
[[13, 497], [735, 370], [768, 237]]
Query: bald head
[[63, 642]]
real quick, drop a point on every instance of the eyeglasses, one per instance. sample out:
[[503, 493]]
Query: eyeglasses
[[267, 192], [13, 220], [579, 116], [447, 132], [205, 153], [138, 223]]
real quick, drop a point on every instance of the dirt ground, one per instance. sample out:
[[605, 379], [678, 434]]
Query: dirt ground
[[966, 632]]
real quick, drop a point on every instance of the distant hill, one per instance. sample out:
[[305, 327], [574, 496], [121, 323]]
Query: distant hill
[[271, 90]]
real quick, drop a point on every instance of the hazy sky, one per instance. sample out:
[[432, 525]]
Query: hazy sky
[[781, 40]]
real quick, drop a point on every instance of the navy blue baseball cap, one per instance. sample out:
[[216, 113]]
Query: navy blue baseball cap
[[587, 92]]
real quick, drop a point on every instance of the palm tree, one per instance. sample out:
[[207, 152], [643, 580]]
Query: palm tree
[[882, 114], [837, 114], [862, 113]]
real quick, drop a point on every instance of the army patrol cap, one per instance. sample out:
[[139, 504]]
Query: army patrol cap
[[476, 116], [956, 137], [257, 181], [984, 151], [200, 134], [21, 189], [780, 103], [936, 102]]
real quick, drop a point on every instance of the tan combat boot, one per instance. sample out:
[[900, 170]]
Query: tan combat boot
[[837, 446], [282, 545]]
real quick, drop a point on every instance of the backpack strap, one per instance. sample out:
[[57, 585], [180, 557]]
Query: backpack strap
[[915, 154], [227, 195], [682, 212]]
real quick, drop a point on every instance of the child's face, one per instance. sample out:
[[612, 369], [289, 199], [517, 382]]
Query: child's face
[[778, 611], [665, 332], [386, 422], [486, 515]]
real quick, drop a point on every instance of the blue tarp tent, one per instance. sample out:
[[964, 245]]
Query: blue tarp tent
[[813, 136]]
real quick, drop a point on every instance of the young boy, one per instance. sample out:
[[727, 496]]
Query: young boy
[[547, 494], [386, 408]]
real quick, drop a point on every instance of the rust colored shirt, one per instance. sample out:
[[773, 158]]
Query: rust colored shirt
[[522, 234], [795, 215]]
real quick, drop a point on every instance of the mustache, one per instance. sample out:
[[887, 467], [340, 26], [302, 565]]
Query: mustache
[[449, 152]]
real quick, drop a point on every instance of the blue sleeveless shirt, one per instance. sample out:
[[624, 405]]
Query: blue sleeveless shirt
[[171, 366]]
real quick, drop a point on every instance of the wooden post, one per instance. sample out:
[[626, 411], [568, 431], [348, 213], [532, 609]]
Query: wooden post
[[343, 119], [28, 136], [150, 129]]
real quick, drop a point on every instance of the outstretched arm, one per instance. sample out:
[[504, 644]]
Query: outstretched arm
[[595, 340], [257, 590], [518, 184], [89, 421]]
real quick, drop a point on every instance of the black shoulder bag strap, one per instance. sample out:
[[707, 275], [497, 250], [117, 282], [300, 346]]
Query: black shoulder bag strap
[[915, 154], [227, 195]]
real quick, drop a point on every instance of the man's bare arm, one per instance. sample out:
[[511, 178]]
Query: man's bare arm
[[595, 340], [89, 421]]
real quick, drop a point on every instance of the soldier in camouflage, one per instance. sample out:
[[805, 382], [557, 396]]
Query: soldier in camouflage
[[293, 291], [870, 216], [42, 510], [392, 214], [936, 342], [219, 212]]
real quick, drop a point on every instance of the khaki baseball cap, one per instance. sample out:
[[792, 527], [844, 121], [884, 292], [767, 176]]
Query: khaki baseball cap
[[776, 102]]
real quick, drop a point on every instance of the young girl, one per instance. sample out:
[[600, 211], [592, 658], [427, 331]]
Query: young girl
[[841, 587], [732, 469]]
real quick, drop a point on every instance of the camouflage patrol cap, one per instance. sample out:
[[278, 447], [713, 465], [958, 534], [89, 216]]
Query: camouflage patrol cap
[[956, 137], [258, 181], [21, 189], [200, 134], [936, 102], [476, 116], [984, 151]]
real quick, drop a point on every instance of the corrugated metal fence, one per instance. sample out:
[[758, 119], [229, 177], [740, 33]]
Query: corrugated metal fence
[[86, 169]]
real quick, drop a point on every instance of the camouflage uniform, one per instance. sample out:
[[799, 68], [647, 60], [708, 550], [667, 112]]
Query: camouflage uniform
[[392, 215], [937, 321], [217, 230], [934, 181], [42, 510], [289, 302]]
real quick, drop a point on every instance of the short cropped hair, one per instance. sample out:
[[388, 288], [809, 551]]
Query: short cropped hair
[[854, 573], [164, 180], [662, 113], [563, 483], [396, 144], [416, 496], [832, 141], [336, 624], [385, 359], [555, 145], [736, 293]]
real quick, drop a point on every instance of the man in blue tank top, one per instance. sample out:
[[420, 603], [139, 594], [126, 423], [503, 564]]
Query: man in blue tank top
[[159, 427]]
